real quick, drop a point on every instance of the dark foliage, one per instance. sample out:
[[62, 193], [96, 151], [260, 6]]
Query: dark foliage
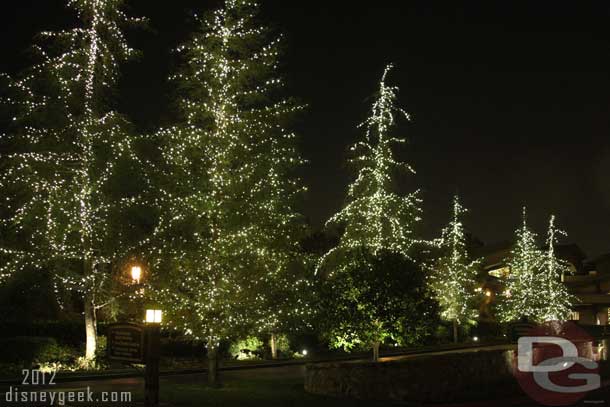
[[377, 298]]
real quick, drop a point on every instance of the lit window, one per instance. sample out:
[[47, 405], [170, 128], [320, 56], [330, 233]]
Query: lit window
[[575, 316]]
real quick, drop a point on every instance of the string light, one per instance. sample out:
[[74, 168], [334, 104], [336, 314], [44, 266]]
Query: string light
[[454, 277], [226, 243], [375, 216], [533, 287], [362, 306], [559, 301], [66, 145]]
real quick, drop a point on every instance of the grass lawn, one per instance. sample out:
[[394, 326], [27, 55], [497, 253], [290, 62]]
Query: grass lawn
[[261, 391], [265, 387]]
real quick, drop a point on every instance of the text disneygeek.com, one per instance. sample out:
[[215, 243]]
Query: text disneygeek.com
[[27, 394]]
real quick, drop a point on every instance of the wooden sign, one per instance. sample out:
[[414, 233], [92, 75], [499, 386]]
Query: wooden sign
[[126, 342]]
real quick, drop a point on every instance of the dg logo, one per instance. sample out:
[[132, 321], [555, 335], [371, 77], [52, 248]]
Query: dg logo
[[556, 364]]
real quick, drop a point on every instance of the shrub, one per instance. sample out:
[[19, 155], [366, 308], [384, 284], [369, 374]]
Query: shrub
[[283, 345], [182, 347], [29, 350], [442, 334], [65, 332], [248, 348], [372, 298], [100, 349]]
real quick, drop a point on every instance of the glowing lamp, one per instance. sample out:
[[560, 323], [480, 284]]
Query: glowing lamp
[[154, 316], [136, 273]]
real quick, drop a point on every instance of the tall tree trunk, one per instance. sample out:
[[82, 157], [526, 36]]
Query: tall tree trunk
[[455, 331], [90, 327], [273, 346], [213, 365], [90, 314], [376, 351]]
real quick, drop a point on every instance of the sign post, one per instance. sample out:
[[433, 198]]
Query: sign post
[[136, 343], [126, 342], [151, 378]]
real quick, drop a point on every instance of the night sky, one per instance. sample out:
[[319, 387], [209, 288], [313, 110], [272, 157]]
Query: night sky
[[509, 99]]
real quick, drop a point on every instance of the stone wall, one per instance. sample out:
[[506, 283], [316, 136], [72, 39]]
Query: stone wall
[[460, 376]]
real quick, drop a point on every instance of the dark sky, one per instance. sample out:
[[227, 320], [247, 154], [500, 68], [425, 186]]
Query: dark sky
[[510, 99]]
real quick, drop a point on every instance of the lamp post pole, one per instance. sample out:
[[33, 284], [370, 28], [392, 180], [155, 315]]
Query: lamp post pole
[[151, 373]]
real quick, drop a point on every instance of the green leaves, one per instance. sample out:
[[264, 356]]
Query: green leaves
[[374, 298]]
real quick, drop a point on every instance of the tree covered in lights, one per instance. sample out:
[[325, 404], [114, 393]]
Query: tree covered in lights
[[371, 288], [62, 203], [376, 216], [226, 244], [558, 301], [454, 274], [533, 287], [521, 297]]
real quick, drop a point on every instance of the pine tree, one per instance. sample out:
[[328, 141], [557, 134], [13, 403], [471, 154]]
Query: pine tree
[[228, 231], [376, 217], [378, 225], [65, 148], [454, 275], [522, 296], [558, 301]]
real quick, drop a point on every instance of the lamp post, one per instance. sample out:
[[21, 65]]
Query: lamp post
[[151, 376], [154, 316], [136, 274]]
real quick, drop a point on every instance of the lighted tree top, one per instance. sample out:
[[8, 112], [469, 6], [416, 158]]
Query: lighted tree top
[[65, 147], [228, 230], [376, 216], [454, 275]]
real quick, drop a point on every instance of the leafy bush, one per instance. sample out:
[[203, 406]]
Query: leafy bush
[[29, 350], [248, 348], [442, 333], [374, 298], [55, 352], [182, 347], [283, 345], [65, 332], [100, 349]]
